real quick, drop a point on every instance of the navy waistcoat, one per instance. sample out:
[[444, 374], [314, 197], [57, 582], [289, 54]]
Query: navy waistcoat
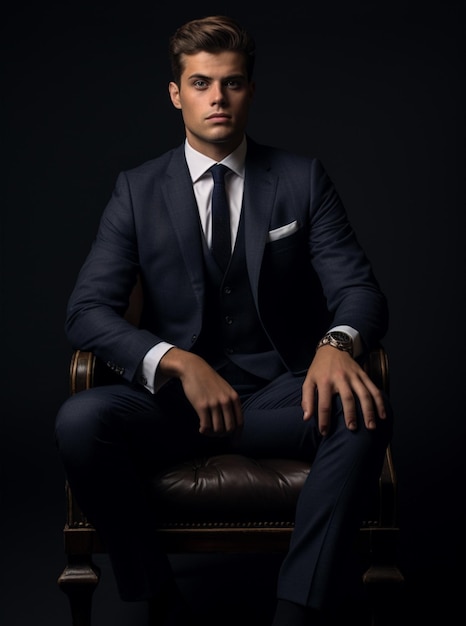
[[231, 328]]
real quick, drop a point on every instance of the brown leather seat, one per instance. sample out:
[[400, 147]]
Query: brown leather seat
[[229, 489]]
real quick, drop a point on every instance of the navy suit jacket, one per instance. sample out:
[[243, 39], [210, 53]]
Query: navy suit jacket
[[305, 266]]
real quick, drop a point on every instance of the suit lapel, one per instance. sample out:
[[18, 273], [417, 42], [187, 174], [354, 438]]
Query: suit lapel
[[184, 215], [259, 192]]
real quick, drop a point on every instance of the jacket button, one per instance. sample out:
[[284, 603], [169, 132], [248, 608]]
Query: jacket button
[[228, 319], [227, 290], [193, 338]]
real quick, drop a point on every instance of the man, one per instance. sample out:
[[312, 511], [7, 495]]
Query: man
[[225, 357]]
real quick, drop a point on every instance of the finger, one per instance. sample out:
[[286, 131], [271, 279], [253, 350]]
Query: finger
[[229, 419], [218, 420], [372, 401], [309, 400], [226, 418], [367, 408], [376, 395], [324, 410], [232, 414], [378, 399], [205, 422], [348, 404]]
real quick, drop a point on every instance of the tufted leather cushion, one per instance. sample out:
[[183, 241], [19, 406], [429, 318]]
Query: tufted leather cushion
[[230, 488]]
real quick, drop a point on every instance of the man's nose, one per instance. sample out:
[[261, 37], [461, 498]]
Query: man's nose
[[218, 93]]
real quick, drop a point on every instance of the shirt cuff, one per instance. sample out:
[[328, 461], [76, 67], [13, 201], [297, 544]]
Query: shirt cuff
[[148, 375], [356, 337]]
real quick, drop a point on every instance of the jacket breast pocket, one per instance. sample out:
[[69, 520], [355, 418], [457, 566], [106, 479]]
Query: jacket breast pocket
[[282, 231]]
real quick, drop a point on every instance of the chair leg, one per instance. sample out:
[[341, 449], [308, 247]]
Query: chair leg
[[78, 581], [384, 585]]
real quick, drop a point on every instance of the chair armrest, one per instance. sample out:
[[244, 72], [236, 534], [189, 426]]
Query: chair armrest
[[375, 364], [87, 371]]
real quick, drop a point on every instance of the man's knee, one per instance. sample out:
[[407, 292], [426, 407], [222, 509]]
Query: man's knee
[[77, 421]]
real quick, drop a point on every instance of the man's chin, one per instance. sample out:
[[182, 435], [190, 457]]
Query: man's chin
[[225, 138], [229, 141]]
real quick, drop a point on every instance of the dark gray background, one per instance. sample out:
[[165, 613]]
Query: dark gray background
[[372, 88]]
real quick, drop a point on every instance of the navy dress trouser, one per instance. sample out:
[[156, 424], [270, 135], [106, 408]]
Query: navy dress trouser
[[109, 437]]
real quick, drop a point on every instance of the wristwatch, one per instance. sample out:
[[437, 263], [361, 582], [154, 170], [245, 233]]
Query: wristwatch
[[337, 339]]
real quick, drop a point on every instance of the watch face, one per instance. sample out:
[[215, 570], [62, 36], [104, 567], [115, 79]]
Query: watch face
[[341, 336], [337, 339]]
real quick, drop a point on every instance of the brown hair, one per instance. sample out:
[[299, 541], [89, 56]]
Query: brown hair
[[210, 34]]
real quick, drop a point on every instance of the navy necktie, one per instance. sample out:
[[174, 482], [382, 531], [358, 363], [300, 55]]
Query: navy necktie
[[221, 235]]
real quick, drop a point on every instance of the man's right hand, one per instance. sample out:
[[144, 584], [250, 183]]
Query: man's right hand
[[213, 398]]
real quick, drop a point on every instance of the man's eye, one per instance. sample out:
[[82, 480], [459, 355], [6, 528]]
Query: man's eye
[[233, 84], [200, 84]]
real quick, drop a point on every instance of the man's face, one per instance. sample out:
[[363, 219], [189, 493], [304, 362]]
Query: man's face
[[214, 97]]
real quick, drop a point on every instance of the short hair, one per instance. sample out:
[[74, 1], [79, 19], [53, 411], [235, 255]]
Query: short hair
[[213, 34]]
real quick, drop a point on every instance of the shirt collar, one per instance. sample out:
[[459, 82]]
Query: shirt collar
[[198, 163]]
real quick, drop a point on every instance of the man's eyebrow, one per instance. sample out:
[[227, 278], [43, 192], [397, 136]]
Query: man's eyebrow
[[209, 78], [199, 76]]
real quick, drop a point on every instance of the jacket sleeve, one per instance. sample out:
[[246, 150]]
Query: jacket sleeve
[[95, 313], [352, 293]]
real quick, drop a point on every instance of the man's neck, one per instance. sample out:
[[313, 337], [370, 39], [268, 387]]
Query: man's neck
[[217, 152]]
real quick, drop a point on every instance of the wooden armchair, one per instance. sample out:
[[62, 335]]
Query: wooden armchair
[[253, 512], [232, 504]]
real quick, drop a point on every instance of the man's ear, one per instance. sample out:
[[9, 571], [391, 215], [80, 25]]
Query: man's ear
[[174, 92]]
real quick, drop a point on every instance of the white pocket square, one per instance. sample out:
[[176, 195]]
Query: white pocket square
[[282, 231]]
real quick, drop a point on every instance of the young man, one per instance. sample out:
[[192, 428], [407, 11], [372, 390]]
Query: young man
[[230, 350]]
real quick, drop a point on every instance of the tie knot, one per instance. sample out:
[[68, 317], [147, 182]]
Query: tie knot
[[218, 173]]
